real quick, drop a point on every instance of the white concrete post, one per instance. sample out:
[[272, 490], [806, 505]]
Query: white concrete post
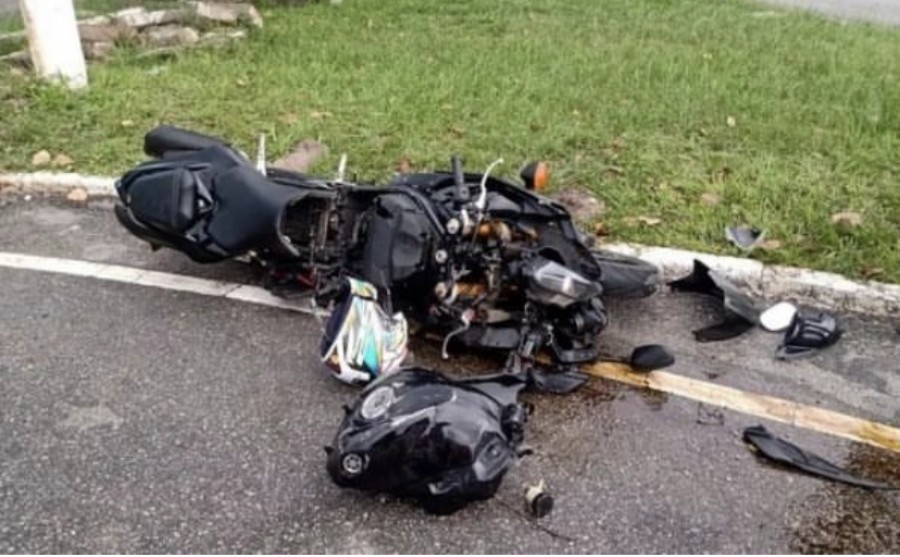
[[53, 41]]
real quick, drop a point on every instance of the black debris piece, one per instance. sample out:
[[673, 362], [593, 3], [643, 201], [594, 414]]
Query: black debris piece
[[786, 453], [744, 237], [741, 314], [807, 334], [538, 500]]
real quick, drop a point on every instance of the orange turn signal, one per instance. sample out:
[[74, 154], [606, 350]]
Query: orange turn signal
[[541, 176], [536, 175]]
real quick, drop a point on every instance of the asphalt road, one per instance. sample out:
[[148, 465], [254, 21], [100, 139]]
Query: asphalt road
[[141, 420]]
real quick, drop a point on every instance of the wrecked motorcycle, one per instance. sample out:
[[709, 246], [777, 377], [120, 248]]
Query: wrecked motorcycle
[[481, 261]]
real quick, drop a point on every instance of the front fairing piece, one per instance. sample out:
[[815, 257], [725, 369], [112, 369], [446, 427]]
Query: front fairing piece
[[421, 435]]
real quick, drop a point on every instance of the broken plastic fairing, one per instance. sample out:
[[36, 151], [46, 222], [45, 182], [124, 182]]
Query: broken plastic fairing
[[740, 312], [807, 334]]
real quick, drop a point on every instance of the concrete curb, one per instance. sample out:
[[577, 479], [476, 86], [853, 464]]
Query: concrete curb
[[777, 282], [772, 282], [57, 183]]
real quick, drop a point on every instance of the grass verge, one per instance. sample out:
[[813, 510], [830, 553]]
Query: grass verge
[[781, 119]]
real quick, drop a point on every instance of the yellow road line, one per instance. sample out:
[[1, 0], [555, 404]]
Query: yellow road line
[[762, 406]]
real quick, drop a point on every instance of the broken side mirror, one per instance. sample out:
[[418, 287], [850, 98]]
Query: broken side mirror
[[650, 357]]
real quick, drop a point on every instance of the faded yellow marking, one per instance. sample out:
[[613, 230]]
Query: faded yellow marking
[[762, 406]]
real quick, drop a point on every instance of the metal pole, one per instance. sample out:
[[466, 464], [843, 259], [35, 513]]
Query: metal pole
[[54, 42]]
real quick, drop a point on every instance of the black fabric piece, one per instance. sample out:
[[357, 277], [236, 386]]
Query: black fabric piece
[[741, 313], [783, 452], [808, 334]]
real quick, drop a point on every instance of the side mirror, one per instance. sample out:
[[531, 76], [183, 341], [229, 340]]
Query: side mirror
[[650, 357], [536, 176]]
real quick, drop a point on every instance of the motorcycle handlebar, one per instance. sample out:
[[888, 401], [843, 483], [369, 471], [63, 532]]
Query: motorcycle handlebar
[[462, 192]]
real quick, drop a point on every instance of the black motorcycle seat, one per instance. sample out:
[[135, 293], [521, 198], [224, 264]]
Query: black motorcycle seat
[[166, 199], [249, 210]]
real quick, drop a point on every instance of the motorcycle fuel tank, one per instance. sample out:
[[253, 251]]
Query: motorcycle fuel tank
[[416, 433]]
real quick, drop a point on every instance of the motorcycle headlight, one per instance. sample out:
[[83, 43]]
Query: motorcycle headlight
[[552, 283], [377, 403]]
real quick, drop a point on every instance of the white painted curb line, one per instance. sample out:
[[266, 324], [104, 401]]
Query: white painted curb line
[[157, 279], [816, 288], [777, 282]]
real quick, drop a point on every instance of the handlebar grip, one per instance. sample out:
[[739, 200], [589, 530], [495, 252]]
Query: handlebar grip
[[459, 178], [163, 139]]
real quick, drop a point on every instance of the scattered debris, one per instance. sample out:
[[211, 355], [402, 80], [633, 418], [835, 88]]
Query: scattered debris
[[731, 122], [740, 312], [744, 237], [41, 158], [808, 334], [538, 501], [787, 453], [650, 357], [778, 317]]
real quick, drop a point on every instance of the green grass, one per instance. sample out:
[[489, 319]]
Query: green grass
[[629, 98]]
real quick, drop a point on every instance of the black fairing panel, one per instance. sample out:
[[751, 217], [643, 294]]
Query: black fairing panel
[[398, 243]]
